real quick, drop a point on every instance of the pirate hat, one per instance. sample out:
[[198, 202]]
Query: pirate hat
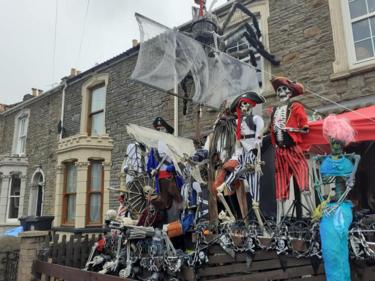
[[252, 96], [297, 89], [160, 122]]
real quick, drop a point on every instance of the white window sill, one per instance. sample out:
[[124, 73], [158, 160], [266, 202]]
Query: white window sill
[[10, 224], [357, 70]]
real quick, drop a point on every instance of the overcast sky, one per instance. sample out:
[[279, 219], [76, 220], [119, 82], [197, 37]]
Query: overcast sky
[[28, 58]]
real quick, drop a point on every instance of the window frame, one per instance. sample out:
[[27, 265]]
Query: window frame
[[89, 192], [20, 141], [92, 113], [66, 195], [97, 81], [348, 26], [12, 220]]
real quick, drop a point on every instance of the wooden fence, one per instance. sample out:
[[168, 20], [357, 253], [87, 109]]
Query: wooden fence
[[49, 272], [72, 252], [68, 256]]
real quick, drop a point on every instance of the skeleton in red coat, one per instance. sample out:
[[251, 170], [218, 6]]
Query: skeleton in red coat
[[288, 123]]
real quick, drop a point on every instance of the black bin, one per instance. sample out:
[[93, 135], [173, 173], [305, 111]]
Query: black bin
[[36, 223]]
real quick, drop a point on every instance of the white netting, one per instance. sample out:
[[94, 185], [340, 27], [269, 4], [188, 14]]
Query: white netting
[[166, 56]]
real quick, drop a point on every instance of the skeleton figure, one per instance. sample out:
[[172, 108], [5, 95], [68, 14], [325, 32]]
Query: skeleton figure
[[338, 169], [134, 162], [160, 166], [245, 162], [288, 122]]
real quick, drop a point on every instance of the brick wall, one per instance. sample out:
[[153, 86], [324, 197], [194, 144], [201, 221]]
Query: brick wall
[[300, 34], [41, 144]]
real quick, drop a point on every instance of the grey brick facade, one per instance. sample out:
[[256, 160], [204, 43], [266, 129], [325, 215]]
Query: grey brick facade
[[41, 143], [300, 34]]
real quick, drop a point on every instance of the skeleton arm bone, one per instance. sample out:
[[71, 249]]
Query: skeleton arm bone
[[351, 179]]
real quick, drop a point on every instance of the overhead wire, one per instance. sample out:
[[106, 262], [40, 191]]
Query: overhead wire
[[83, 31], [54, 41]]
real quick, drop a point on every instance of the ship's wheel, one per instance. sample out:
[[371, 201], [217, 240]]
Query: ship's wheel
[[135, 194]]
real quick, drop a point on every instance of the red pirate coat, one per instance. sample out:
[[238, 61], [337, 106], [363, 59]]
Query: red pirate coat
[[296, 118]]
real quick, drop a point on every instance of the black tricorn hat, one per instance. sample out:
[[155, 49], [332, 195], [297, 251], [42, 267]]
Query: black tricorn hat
[[247, 95], [160, 122]]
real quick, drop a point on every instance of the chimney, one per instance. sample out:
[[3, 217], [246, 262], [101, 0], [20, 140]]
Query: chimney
[[135, 43], [3, 107], [74, 72], [34, 92]]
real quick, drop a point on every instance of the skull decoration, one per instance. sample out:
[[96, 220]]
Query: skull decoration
[[283, 92], [245, 108]]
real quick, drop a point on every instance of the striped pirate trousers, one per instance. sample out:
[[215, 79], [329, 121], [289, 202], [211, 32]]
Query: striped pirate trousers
[[252, 179], [290, 161]]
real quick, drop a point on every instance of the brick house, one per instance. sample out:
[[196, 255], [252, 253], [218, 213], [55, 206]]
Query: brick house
[[28, 138], [326, 45]]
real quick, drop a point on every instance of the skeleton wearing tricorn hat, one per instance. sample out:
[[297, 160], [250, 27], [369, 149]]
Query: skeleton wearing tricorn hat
[[244, 163], [288, 122]]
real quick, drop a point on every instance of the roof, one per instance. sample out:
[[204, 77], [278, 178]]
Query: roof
[[106, 63]]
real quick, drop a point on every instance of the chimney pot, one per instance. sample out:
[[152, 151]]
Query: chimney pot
[[135, 42], [34, 92]]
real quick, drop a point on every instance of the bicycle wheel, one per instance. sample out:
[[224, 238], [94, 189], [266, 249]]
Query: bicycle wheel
[[135, 196]]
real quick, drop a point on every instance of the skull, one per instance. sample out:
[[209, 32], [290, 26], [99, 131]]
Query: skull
[[245, 108], [111, 214], [281, 244], [283, 93]]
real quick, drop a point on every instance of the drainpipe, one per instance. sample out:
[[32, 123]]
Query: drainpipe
[[63, 108]]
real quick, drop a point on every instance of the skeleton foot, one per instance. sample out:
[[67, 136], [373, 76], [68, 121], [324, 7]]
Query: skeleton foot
[[222, 199]]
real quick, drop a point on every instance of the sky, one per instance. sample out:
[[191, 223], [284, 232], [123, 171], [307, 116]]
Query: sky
[[41, 40]]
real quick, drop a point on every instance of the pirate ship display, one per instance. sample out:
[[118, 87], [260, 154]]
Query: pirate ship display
[[164, 224]]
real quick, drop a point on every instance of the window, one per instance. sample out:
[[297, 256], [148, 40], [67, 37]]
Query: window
[[95, 193], [20, 133], [14, 196], [242, 45], [70, 189], [362, 21], [263, 69], [96, 111], [353, 32]]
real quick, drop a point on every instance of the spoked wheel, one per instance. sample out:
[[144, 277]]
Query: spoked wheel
[[135, 195]]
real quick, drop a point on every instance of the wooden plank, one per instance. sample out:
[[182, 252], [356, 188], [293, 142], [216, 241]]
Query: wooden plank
[[368, 273], [55, 248], [61, 252], [272, 274], [69, 252], [255, 266], [72, 274], [85, 250], [220, 257], [77, 251]]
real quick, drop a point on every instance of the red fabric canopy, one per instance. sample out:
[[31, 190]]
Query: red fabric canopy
[[359, 119]]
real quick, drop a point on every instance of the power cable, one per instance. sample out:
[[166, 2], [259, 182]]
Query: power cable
[[83, 31], [54, 41]]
